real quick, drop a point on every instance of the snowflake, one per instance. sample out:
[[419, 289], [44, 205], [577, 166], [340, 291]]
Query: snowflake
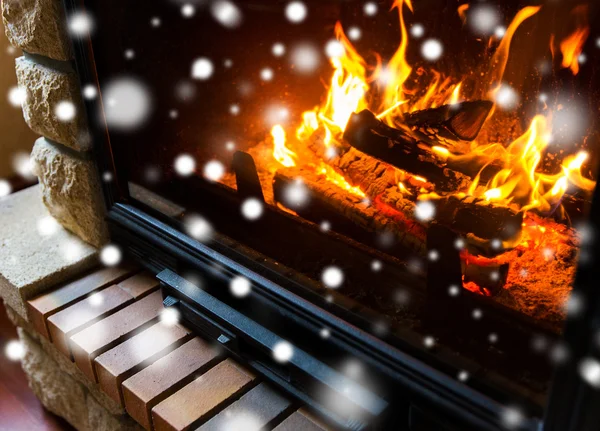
[[432, 50], [459, 244], [463, 376], [185, 165], [202, 69], [267, 74], [296, 12], [370, 8], [226, 13], [155, 22], [110, 255], [65, 111], [429, 342], [188, 10], [354, 33], [47, 226], [283, 351], [424, 211], [97, 299], [278, 49], [90, 92], [477, 314], [17, 96], [454, 290], [129, 54], [589, 370], [484, 19], [234, 109], [305, 58], [80, 24], [252, 209], [506, 97], [325, 226], [296, 194], [325, 333], [334, 49], [433, 255], [14, 350], [214, 170], [376, 266], [128, 104], [170, 316], [240, 287], [417, 31], [332, 277], [198, 228], [511, 417]]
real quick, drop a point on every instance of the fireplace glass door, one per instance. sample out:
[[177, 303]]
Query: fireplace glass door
[[421, 169]]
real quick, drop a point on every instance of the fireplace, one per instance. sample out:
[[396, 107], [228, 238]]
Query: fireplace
[[401, 191]]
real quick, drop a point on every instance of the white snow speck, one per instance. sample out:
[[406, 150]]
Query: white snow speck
[[477, 314], [107, 177], [332, 277], [511, 417], [296, 195], [325, 226], [110, 255], [506, 97], [283, 351], [173, 114], [376, 266], [463, 376], [424, 211], [90, 92], [214, 170], [65, 111], [240, 287], [496, 244], [296, 12], [80, 24], [252, 209], [97, 299], [267, 74], [202, 69], [499, 32], [483, 19], [227, 13], [354, 33], [228, 63], [198, 228], [459, 244], [129, 54], [185, 165], [278, 49], [155, 22], [170, 316], [14, 350], [188, 10], [493, 338], [575, 305], [417, 31], [370, 8], [589, 370], [433, 255], [334, 49], [230, 145], [129, 104], [234, 109], [325, 333], [432, 49], [21, 163], [429, 342], [305, 58], [5, 188], [454, 290], [47, 226], [17, 96]]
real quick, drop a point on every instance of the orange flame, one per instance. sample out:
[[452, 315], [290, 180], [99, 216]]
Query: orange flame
[[572, 47], [281, 153]]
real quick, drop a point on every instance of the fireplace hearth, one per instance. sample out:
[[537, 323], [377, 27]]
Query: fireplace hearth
[[406, 187]]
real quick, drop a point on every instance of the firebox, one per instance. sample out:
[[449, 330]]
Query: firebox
[[381, 206]]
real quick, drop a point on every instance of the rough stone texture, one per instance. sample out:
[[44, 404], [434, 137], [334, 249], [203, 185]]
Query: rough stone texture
[[67, 367], [71, 190], [45, 88], [58, 392], [31, 263], [63, 395], [37, 26]]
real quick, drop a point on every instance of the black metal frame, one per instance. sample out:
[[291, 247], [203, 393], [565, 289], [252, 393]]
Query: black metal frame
[[159, 246]]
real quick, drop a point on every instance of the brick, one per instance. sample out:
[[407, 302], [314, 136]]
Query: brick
[[201, 398], [140, 284], [71, 190], [32, 262], [37, 26], [126, 359], [107, 333], [253, 411], [301, 420], [153, 384], [84, 313], [44, 306]]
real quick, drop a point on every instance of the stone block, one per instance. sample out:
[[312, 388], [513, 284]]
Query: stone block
[[37, 26], [71, 190], [36, 253], [49, 89]]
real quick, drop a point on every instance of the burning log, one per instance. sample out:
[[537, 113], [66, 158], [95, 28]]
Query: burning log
[[403, 150], [325, 200], [457, 122]]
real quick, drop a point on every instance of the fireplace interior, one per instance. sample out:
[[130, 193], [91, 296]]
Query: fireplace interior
[[423, 170]]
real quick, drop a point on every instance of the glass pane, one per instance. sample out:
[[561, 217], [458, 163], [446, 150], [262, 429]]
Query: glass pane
[[426, 164]]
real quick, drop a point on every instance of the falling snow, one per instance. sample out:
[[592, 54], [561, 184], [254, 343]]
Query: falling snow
[[484, 19], [65, 111], [296, 12], [17, 96], [185, 165], [296, 195], [47, 226], [370, 8], [5, 188], [278, 49], [240, 287], [283, 351], [417, 31], [202, 69], [214, 170], [227, 13], [252, 209], [506, 97], [80, 24], [432, 50], [14, 350], [198, 228], [433, 255], [511, 417], [170, 316], [589, 370], [110, 255], [424, 211], [90, 92], [129, 104], [305, 58], [454, 290], [188, 10], [332, 277], [354, 33]]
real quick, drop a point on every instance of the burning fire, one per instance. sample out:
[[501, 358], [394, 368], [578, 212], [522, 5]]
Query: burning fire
[[572, 46], [383, 88]]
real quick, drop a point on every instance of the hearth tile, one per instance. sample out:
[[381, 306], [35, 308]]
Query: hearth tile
[[153, 384], [256, 409], [201, 398], [84, 313], [112, 330], [140, 284], [301, 420], [126, 359], [36, 253], [44, 306]]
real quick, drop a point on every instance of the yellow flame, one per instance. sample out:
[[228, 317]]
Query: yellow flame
[[572, 47], [339, 180], [281, 153], [462, 12], [455, 95]]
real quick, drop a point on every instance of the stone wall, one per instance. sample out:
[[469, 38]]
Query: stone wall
[[54, 109]]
